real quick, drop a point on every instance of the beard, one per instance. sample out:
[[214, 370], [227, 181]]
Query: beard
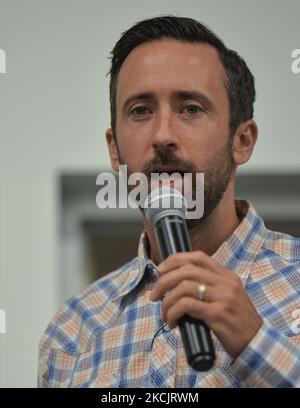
[[216, 176]]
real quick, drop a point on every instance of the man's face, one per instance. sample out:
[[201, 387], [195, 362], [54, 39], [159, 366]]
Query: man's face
[[173, 113]]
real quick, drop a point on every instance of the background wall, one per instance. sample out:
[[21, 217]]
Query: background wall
[[54, 111]]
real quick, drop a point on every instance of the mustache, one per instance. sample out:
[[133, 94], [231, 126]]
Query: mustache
[[166, 157]]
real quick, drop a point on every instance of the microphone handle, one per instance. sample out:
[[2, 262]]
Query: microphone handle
[[172, 236]]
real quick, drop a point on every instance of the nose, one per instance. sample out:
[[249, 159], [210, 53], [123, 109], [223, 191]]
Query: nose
[[163, 134]]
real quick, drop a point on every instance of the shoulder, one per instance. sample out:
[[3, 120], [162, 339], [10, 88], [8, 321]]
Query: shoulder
[[275, 280], [278, 258], [283, 245], [74, 326]]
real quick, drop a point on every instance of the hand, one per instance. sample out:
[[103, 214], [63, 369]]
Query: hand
[[226, 308]]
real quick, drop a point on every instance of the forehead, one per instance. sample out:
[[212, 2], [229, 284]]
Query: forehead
[[165, 65]]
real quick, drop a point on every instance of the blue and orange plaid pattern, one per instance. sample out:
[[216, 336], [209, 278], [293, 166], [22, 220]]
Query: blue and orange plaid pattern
[[111, 334]]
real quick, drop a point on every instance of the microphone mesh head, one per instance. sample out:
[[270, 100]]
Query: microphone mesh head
[[162, 202]]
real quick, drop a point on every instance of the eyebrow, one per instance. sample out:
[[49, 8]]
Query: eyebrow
[[141, 96], [199, 96], [178, 94]]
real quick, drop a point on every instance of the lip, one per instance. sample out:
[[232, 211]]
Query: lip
[[170, 181], [167, 169]]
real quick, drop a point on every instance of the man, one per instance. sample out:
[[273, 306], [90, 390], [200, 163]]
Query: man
[[180, 100]]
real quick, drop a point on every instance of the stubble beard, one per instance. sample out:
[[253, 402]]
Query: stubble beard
[[216, 177]]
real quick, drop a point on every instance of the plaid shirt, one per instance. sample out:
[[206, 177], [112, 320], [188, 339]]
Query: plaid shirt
[[111, 334]]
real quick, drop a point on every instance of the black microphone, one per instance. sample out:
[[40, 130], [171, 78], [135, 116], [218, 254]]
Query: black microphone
[[165, 209]]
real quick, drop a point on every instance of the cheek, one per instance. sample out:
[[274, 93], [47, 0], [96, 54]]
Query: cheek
[[134, 143], [209, 155], [132, 153], [202, 150]]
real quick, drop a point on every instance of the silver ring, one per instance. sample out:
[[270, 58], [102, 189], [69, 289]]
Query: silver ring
[[201, 291]]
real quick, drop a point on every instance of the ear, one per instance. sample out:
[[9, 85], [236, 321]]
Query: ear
[[113, 149], [244, 141]]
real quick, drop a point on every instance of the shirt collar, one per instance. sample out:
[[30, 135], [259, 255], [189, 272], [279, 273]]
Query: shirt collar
[[237, 253], [240, 249]]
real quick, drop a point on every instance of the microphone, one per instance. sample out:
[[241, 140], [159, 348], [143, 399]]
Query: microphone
[[165, 209]]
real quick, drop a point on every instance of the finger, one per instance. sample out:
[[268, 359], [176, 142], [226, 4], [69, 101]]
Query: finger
[[174, 261], [185, 289], [188, 306], [187, 272]]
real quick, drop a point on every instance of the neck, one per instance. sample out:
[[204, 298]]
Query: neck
[[210, 234]]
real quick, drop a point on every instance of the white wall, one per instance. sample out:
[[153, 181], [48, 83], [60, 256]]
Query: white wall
[[54, 111]]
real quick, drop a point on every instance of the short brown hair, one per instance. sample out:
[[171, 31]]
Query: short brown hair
[[239, 81]]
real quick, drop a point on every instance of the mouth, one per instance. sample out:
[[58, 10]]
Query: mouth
[[167, 176], [168, 170]]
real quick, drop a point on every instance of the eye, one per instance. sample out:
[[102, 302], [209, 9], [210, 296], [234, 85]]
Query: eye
[[192, 110], [139, 111]]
